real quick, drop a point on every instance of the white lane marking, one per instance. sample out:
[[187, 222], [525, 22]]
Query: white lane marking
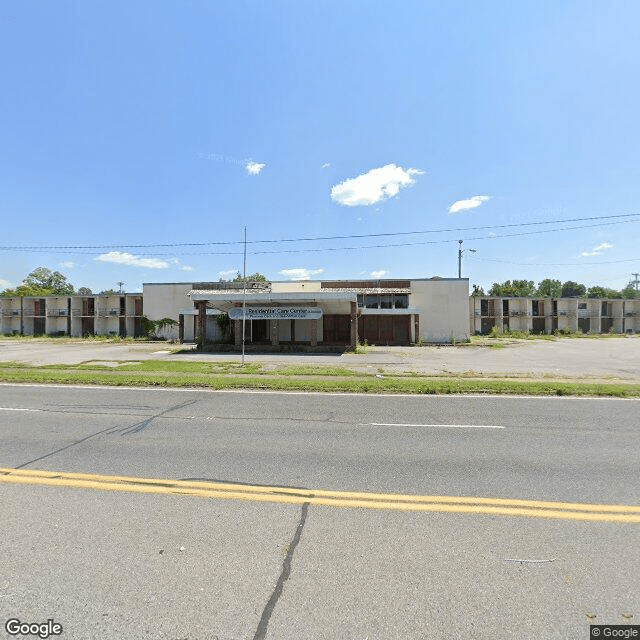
[[440, 426], [18, 409]]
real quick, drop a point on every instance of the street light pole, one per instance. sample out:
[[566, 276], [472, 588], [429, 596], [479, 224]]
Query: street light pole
[[460, 252]]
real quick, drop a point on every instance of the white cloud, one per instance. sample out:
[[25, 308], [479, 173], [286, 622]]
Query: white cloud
[[254, 168], [373, 186], [186, 267], [300, 274], [596, 251], [379, 274], [5, 284], [119, 257], [229, 274], [68, 264], [471, 203], [326, 165]]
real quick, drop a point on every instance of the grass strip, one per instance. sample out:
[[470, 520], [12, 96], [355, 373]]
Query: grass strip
[[353, 384]]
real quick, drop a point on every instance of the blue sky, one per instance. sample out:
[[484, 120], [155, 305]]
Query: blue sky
[[157, 123]]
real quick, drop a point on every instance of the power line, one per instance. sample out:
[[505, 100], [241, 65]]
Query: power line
[[620, 217], [350, 248], [556, 264]]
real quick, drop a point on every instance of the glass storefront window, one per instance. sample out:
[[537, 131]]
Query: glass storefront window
[[371, 302], [386, 301]]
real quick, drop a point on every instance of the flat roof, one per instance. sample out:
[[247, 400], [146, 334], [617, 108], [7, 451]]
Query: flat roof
[[268, 296]]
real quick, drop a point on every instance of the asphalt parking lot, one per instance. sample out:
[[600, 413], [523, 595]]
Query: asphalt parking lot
[[616, 358]]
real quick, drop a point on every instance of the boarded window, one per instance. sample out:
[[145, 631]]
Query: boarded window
[[336, 329], [384, 329]]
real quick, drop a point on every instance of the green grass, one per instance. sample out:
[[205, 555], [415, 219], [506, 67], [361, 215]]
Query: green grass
[[87, 338], [506, 334], [170, 374]]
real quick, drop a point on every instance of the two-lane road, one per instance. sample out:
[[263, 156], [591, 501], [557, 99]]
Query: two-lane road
[[493, 516]]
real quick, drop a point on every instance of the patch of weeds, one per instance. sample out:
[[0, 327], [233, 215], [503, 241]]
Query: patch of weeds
[[361, 348]]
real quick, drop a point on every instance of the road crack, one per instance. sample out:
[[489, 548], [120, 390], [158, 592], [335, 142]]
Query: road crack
[[128, 430], [261, 631]]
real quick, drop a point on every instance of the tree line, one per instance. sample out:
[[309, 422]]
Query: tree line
[[44, 282], [550, 288]]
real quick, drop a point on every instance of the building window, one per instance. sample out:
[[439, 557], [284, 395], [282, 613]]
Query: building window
[[372, 302], [386, 301], [582, 305], [401, 301]]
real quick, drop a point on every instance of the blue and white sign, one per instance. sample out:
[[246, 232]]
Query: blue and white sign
[[276, 313]]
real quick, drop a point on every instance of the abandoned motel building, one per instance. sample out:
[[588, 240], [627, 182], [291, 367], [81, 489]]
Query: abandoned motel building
[[312, 314]]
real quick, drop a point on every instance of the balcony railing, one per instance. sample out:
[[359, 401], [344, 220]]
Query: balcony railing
[[57, 313]]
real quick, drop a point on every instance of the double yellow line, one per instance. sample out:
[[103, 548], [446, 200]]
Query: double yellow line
[[345, 499]]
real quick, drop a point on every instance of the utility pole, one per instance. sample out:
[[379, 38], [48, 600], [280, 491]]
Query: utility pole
[[636, 281], [244, 292], [120, 283], [460, 252]]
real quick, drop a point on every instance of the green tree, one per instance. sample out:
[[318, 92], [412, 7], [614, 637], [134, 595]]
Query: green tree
[[478, 292], [256, 277], [84, 291], [572, 289], [42, 282], [53, 281], [629, 292], [597, 292], [513, 289], [549, 288]]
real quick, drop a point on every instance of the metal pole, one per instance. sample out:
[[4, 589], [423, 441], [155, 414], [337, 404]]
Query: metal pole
[[460, 260], [244, 292], [636, 281]]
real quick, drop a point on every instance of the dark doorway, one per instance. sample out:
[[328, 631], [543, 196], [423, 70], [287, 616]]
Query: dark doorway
[[39, 326], [256, 331], [88, 326], [486, 325], [538, 325]]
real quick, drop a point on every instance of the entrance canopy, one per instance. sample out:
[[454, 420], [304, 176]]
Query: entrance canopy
[[329, 301]]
